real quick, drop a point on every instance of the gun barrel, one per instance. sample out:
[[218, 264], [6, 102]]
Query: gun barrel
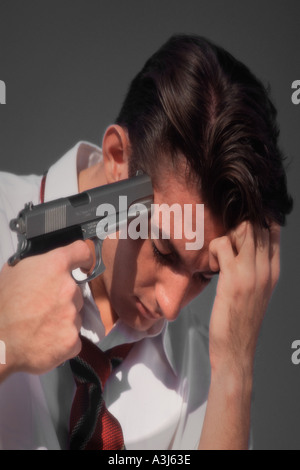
[[42, 219]]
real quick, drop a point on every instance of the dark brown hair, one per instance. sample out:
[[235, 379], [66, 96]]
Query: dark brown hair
[[193, 98]]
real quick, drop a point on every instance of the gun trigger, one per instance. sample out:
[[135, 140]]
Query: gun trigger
[[99, 266]]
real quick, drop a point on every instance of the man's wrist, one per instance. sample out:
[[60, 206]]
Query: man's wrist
[[235, 380], [227, 419]]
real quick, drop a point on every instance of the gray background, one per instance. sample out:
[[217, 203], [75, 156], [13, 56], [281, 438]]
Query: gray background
[[67, 65]]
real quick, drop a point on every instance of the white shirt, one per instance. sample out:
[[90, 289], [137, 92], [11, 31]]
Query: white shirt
[[159, 392]]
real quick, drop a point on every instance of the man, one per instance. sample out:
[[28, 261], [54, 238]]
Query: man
[[203, 128]]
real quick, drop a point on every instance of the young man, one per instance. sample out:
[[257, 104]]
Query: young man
[[203, 128]]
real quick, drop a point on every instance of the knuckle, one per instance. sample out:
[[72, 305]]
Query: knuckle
[[251, 285], [212, 243], [82, 248], [77, 347], [79, 244], [73, 312], [79, 300], [223, 243], [74, 344], [69, 288], [74, 290], [245, 280], [275, 276], [264, 276], [73, 341]]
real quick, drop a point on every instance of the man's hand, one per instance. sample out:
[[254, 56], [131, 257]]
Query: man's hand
[[39, 309], [249, 266]]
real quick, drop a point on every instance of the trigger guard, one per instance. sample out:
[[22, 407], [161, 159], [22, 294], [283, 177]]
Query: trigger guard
[[99, 266]]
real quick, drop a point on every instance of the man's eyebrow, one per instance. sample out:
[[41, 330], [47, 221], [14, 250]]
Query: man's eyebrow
[[174, 251]]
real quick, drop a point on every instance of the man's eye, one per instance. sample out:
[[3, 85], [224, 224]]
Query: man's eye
[[164, 259], [203, 279], [167, 259]]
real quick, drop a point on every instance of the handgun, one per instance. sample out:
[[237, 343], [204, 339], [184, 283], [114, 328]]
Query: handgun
[[90, 215]]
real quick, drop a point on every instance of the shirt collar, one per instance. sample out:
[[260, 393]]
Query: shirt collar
[[62, 181], [62, 177]]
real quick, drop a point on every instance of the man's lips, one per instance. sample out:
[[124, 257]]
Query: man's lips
[[145, 312]]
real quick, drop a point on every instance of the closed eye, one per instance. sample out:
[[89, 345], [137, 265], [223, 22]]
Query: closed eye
[[163, 258], [201, 277], [171, 260]]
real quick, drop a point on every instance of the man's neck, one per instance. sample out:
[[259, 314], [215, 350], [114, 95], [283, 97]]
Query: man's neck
[[89, 178]]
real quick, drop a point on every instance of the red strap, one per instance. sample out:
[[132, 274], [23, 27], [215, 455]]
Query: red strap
[[42, 190]]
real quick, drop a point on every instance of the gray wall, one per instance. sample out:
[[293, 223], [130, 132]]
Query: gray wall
[[67, 65]]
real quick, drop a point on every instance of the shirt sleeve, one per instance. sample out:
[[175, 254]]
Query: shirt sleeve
[[15, 191]]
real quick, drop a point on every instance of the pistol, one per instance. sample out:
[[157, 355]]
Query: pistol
[[93, 214]]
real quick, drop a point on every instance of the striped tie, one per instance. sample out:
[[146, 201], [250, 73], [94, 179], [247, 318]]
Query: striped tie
[[92, 426]]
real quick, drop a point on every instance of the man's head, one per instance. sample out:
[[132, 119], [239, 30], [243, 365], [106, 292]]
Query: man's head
[[194, 103], [204, 129]]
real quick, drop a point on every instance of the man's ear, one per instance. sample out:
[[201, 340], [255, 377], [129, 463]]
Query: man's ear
[[115, 148]]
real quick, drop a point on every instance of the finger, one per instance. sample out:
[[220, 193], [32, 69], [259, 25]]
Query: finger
[[78, 298], [76, 348], [78, 322], [274, 252], [262, 242], [77, 301], [245, 243], [91, 246], [275, 232], [262, 259], [237, 236], [79, 255], [221, 254]]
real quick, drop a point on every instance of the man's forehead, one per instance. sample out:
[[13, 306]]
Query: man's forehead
[[175, 190], [189, 200]]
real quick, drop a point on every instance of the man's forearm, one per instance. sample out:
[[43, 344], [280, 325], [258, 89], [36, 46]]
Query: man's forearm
[[248, 262], [227, 420]]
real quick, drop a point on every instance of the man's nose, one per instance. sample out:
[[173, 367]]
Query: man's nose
[[171, 294]]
